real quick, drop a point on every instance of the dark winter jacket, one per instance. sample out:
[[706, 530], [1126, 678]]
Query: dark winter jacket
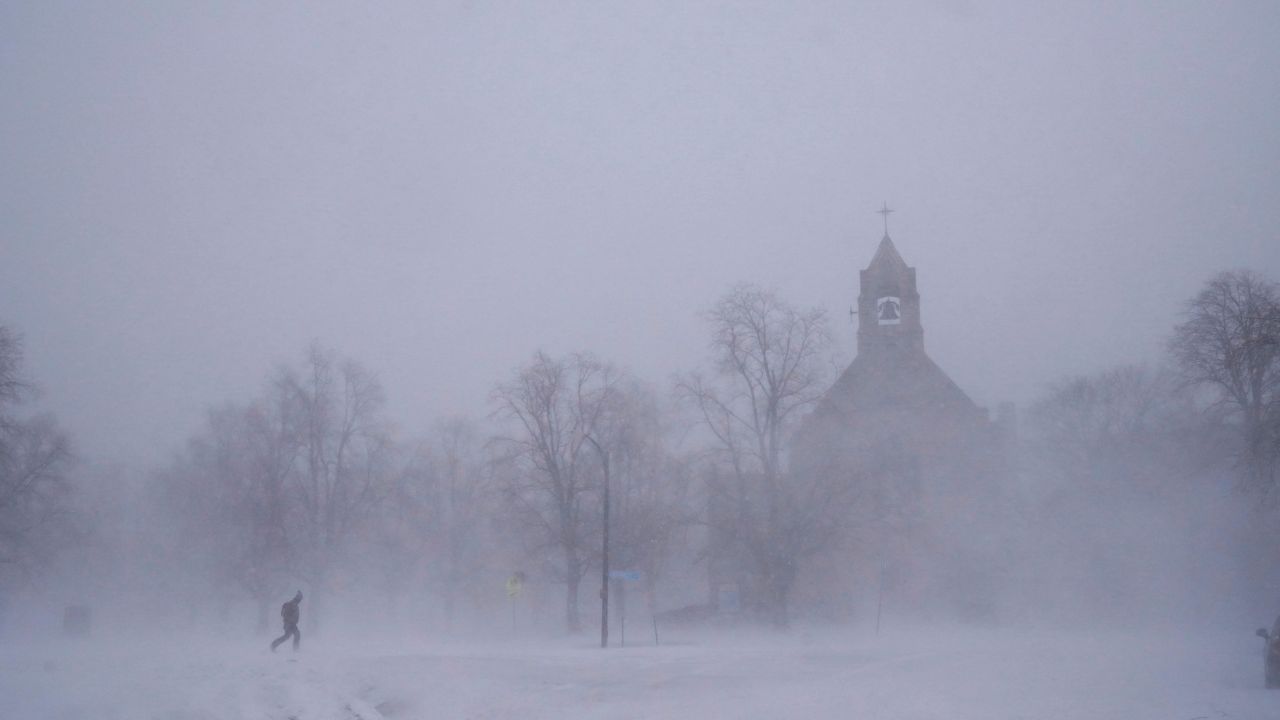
[[290, 612]]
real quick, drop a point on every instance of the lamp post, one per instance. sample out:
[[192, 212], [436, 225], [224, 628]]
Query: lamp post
[[604, 561]]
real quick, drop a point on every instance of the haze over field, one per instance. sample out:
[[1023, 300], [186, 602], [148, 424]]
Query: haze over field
[[379, 303], [193, 193]]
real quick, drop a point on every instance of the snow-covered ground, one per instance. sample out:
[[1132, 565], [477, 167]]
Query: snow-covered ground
[[806, 674]]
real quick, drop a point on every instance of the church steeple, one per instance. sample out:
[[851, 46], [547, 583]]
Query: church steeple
[[887, 257], [888, 303]]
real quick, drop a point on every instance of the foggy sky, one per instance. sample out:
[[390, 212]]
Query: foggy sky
[[190, 194]]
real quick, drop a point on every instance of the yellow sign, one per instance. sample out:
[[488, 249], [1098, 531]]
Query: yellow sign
[[515, 585]]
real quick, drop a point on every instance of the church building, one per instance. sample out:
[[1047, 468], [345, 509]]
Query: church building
[[927, 463]]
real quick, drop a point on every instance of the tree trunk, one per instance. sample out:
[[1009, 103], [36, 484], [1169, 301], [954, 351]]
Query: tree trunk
[[778, 586], [573, 621]]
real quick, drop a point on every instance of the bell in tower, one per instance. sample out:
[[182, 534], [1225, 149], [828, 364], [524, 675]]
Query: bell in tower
[[887, 311]]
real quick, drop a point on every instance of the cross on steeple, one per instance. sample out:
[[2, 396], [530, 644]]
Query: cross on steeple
[[884, 211]]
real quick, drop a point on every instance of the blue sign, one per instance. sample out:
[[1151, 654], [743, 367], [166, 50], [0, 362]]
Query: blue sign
[[631, 575], [729, 600]]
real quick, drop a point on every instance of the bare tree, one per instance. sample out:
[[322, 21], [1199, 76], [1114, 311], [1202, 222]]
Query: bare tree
[[462, 501], [344, 462], [272, 449], [35, 513], [12, 387], [224, 503], [204, 492], [649, 493], [398, 546], [434, 531], [278, 491], [35, 457], [1116, 465], [1129, 429], [1230, 342], [769, 360], [553, 405]]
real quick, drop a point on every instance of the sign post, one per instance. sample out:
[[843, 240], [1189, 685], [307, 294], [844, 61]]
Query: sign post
[[622, 577], [515, 587], [604, 556]]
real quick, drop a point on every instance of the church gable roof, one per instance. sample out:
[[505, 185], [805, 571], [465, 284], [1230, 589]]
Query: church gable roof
[[912, 383], [887, 258]]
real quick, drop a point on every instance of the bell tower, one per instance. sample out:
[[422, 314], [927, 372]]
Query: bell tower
[[888, 303]]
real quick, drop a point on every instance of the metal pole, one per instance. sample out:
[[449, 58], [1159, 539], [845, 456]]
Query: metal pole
[[604, 562], [879, 604], [879, 598]]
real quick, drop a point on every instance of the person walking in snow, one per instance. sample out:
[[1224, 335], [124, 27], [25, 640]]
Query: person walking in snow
[[289, 612]]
